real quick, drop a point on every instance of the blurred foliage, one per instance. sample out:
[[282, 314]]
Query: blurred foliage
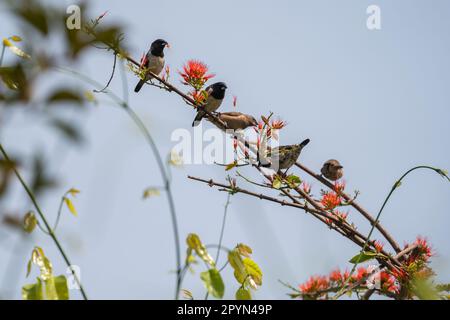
[[47, 286]]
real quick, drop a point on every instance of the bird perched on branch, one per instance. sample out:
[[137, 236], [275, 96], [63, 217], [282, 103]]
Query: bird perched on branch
[[215, 94], [332, 170], [237, 120], [284, 157], [153, 61]]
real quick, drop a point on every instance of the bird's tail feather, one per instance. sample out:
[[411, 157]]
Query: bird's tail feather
[[198, 118], [304, 142], [139, 86]]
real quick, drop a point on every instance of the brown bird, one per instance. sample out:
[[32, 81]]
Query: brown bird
[[332, 170], [237, 120]]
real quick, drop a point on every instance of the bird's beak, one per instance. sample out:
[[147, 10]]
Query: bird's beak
[[340, 167], [168, 46]]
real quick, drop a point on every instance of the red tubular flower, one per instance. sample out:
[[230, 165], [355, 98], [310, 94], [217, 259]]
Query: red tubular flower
[[378, 245], [194, 74], [423, 248], [234, 101], [278, 124], [339, 186], [306, 187], [336, 276], [387, 282], [314, 284], [235, 144], [198, 96], [360, 274], [330, 200]]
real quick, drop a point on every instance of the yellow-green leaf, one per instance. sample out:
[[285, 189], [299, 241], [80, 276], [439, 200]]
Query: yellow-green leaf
[[175, 159], [15, 38], [33, 291], [231, 166], [276, 183], [244, 250], [56, 288], [253, 270], [15, 50], [29, 222], [213, 282], [70, 206], [151, 192], [73, 192], [38, 258], [235, 260], [243, 294], [187, 294], [193, 241]]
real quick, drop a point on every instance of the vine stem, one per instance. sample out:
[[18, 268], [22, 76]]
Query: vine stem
[[377, 218], [222, 230], [46, 224], [151, 142]]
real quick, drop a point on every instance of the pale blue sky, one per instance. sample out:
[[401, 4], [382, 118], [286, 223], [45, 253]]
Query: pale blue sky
[[376, 100]]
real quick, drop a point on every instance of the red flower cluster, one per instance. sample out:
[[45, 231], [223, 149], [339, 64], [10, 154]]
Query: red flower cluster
[[330, 200], [378, 245], [315, 284], [422, 252], [144, 60], [318, 285], [195, 74], [198, 96]]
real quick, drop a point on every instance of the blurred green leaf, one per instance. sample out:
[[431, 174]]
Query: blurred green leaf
[[276, 183], [68, 130], [244, 250], [14, 77], [33, 13], [243, 294], [56, 288], [193, 241], [33, 291], [29, 222], [65, 95], [151, 192], [213, 282], [70, 206]]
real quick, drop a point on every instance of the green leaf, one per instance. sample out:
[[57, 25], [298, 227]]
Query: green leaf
[[70, 206], [56, 288], [213, 282], [363, 256], [243, 294], [193, 241], [29, 264], [33, 291], [29, 222], [293, 179], [67, 129]]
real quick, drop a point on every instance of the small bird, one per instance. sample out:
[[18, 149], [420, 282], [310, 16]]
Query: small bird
[[237, 120], [216, 93], [332, 170], [153, 61], [284, 157]]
